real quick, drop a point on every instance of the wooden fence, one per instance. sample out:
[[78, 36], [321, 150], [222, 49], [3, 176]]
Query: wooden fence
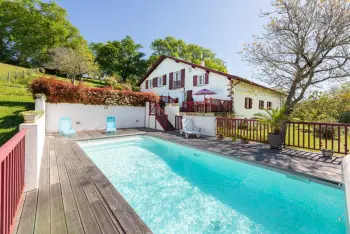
[[11, 180], [306, 135]]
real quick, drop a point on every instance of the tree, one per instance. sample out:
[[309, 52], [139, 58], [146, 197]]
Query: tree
[[305, 43], [170, 46], [68, 61], [329, 106], [122, 58], [29, 29]]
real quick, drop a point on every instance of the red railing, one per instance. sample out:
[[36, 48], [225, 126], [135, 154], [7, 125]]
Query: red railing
[[308, 135], [160, 116], [209, 105], [168, 99], [251, 129], [311, 135], [178, 122], [11, 180]]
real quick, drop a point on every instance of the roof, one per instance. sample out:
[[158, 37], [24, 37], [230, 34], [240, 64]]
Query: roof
[[229, 76]]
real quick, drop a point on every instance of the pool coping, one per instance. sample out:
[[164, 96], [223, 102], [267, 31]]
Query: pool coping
[[346, 181], [312, 178]]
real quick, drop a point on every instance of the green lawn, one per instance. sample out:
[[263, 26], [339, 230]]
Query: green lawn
[[13, 100]]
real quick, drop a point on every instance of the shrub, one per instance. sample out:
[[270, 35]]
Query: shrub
[[58, 91]]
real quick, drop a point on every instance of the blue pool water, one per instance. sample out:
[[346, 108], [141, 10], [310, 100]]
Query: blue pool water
[[178, 189]]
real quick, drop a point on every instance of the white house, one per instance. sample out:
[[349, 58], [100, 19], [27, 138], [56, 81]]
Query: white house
[[181, 79]]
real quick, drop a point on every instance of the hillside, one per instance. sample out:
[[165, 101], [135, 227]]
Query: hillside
[[15, 97]]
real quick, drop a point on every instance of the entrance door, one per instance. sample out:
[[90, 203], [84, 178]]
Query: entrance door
[[189, 97]]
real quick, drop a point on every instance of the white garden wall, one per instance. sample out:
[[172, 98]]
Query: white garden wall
[[206, 123], [91, 117], [172, 110], [34, 141]]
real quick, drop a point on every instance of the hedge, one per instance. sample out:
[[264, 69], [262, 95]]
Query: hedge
[[59, 91]]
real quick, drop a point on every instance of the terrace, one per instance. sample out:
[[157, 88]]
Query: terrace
[[208, 105], [75, 196]]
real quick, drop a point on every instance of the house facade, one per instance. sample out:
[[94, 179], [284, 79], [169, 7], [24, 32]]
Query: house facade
[[181, 79]]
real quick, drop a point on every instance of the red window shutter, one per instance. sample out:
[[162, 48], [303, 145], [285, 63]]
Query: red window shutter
[[183, 78], [164, 79], [250, 103], [171, 83], [207, 78], [194, 80], [155, 82], [146, 84], [245, 103]]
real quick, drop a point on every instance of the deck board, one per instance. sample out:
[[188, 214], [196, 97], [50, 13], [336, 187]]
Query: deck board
[[74, 196], [73, 221], [58, 222], [42, 222], [27, 219]]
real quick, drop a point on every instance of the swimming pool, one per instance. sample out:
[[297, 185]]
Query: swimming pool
[[178, 189]]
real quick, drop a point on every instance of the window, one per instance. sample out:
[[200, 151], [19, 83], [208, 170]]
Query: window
[[150, 84], [160, 81], [261, 105], [269, 105], [177, 79], [248, 103], [202, 79]]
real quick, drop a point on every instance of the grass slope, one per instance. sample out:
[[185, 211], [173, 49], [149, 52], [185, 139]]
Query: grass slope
[[15, 97], [13, 100]]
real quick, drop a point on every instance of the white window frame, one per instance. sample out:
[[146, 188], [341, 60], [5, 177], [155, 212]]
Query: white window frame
[[160, 81], [150, 84], [201, 79], [177, 79]]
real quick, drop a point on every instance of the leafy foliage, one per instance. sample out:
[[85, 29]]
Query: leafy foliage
[[274, 117], [58, 91], [72, 62], [122, 58], [190, 52], [28, 29], [305, 44], [329, 106]]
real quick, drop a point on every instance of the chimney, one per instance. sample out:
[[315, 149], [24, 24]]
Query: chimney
[[203, 63]]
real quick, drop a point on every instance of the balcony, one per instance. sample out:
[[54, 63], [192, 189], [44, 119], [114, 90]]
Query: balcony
[[208, 105]]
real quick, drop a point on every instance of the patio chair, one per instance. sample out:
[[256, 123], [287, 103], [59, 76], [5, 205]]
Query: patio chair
[[65, 128], [189, 128], [111, 125]]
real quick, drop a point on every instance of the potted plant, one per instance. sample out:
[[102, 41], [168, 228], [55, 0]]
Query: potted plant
[[31, 116], [40, 96], [275, 118], [234, 139], [327, 153], [219, 136], [244, 139]]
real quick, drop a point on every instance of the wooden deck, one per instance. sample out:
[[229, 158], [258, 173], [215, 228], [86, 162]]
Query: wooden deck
[[75, 197]]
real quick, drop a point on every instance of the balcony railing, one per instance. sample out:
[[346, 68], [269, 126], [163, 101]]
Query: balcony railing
[[209, 105]]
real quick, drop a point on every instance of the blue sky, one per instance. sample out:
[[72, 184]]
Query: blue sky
[[221, 25]]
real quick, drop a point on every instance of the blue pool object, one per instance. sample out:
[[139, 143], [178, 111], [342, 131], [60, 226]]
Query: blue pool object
[[65, 128], [111, 126], [179, 189]]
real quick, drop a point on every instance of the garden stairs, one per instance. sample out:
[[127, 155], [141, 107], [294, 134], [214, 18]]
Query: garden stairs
[[161, 117]]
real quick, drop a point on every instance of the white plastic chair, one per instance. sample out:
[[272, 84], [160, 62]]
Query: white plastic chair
[[189, 128]]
